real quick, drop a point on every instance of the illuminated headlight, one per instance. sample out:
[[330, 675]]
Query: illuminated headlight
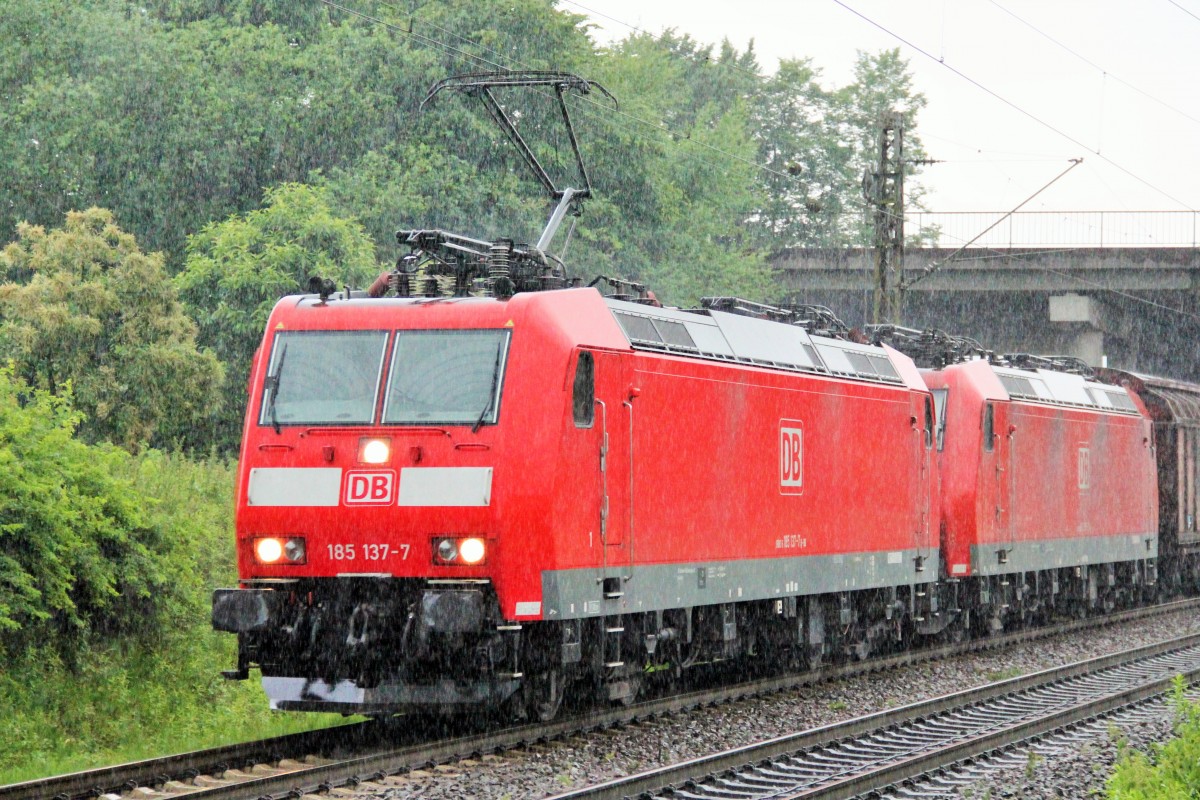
[[459, 551], [374, 451], [273, 550], [471, 551]]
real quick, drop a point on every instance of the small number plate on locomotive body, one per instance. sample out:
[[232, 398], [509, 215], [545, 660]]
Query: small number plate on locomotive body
[[367, 552]]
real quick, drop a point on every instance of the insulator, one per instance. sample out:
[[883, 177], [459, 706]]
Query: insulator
[[500, 268], [398, 282]]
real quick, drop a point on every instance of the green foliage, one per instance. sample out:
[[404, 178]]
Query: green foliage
[[151, 685], [84, 311], [237, 269], [1172, 770], [80, 555], [809, 169], [674, 202]]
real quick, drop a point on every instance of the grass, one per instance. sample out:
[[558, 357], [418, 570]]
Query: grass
[[1172, 769], [127, 704], [1005, 674]]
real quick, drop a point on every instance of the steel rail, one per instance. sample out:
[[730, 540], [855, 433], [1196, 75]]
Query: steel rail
[[185, 766], [687, 779]]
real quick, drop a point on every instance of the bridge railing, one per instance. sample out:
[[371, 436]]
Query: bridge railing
[[952, 229]]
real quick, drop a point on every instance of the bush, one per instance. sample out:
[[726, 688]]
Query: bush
[[1172, 771], [138, 689], [80, 554]]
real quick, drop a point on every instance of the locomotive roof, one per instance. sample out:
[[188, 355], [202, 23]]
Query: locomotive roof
[[722, 336], [1063, 388]]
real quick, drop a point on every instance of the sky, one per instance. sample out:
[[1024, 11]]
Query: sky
[[1015, 88]]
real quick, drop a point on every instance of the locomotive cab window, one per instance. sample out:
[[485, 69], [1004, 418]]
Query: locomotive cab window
[[928, 422], [583, 396], [989, 428], [323, 377], [939, 402], [446, 376]]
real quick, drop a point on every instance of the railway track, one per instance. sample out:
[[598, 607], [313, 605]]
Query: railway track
[[368, 753], [870, 754]]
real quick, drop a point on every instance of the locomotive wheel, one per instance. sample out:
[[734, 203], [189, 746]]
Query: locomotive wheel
[[544, 692], [635, 686]]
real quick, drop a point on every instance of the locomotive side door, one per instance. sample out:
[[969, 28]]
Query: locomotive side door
[[924, 412], [615, 417], [1000, 436]]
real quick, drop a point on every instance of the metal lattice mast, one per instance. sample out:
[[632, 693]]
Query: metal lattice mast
[[884, 190]]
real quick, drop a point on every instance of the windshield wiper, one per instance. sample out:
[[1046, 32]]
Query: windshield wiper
[[492, 394], [273, 384]]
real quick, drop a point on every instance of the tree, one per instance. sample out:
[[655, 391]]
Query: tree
[[176, 114], [882, 83], [808, 163], [84, 312], [237, 269]]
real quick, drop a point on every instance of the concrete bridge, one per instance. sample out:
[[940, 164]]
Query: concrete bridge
[[1135, 308]]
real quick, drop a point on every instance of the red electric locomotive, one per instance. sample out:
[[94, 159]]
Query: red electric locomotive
[[1049, 488], [454, 502]]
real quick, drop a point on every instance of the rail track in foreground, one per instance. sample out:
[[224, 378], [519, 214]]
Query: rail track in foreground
[[369, 752], [868, 755]]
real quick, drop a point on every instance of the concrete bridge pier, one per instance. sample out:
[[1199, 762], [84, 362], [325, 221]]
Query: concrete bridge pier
[[1083, 327]]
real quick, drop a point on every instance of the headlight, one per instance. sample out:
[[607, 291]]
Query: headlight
[[272, 550], [447, 550], [470, 552], [293, 550], [374, 451]]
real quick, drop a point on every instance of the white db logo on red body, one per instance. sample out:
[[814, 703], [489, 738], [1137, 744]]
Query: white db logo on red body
[[791, 456], [1085, 468], [370, 488]]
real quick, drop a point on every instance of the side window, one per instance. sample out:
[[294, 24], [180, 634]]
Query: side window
[[989, 428], [939, 401], [928, 422], [583, 397]]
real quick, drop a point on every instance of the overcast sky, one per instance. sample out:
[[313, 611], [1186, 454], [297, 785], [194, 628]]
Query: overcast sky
[[1116, 83]]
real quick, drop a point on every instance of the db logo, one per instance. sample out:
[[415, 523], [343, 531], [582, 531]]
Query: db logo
[[791, 456], [370, 488], [1085, 468]]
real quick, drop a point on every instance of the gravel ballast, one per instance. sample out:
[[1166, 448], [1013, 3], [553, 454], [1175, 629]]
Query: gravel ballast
[[1074, 771]]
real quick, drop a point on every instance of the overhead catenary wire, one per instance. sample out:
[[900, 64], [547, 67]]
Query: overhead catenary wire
[[992, 93], [1184, 10], [1010, 103], [607, 110], [931, 268], [1104, 72], [644, 32], [860, 206]]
